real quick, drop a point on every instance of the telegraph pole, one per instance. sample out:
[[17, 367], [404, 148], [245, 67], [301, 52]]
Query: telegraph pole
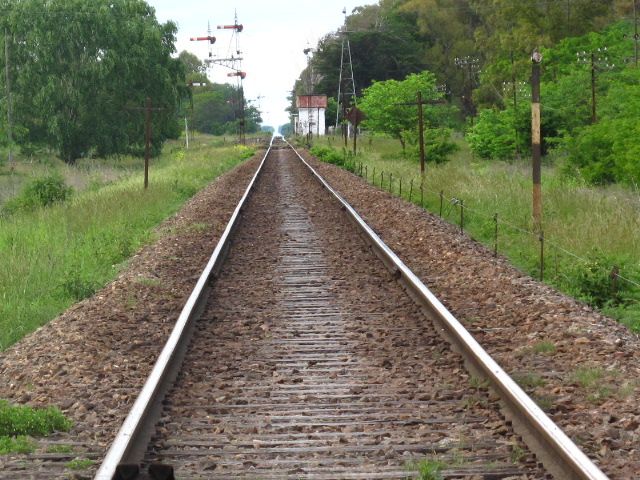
[[421, 132], [9, 100], [593, 88], [148, 108], [601, 61], [420, 103], [635, 33], [147, 140], [536, 149]]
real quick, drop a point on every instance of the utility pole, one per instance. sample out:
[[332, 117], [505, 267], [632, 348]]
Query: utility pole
[[186, 132], [9, 99], [594, 119], [536, 149], [148, 108], [515, 103], [594, 62], [421, 132], [420, 103], [147, 141], [470, 66], [635, 32]]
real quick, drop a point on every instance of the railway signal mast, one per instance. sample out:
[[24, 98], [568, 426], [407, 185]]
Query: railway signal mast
[[209, 38], [233, 61], [346, 82]]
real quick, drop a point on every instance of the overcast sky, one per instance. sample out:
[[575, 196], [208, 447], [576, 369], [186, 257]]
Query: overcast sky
[[275, 33]]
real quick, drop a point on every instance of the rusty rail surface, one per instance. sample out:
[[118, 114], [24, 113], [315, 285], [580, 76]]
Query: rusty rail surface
[[556, 451]]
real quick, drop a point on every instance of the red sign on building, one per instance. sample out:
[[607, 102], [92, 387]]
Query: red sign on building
[[311, 101]]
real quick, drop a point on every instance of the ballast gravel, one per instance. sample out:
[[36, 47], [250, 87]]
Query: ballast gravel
[[77, 361]]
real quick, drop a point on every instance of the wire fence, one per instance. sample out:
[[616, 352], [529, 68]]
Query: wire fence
[[454, 209]]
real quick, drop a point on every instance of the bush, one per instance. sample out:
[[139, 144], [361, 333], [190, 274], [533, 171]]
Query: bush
[[493, 137], [593, 282], [40, 192], [328, 154], [437, 144], [606, 152]]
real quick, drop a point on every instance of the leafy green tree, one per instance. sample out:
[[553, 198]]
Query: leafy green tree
[[389, 111], [81, 68]]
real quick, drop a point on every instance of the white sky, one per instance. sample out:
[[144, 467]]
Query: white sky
[[275, 33]]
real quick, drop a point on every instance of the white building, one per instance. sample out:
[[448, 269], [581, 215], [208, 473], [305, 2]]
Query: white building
[[310, 118]]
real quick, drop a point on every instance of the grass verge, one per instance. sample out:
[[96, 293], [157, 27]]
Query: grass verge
[[55, 256], [588, 231], [19, 423]]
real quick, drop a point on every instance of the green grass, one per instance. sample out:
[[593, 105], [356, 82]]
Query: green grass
[[427, 469], [59, 448], [23, 420], [602, 384], [587, 230], [19, 423], [544, 347], [55, 256], [19, 444], [79, 464]]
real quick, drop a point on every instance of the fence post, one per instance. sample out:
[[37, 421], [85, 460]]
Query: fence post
[[373, 177], [461, 216], [390, 182], [366, 173], [382, 179], [411, 191], [541, 239], [441, 198], [495, 243], [400, 187]]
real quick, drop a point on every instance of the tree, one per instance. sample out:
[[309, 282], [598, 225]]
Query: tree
[[388, 110], [84, 69]]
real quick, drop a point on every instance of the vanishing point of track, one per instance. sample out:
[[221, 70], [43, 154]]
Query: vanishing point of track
[[306, 358]]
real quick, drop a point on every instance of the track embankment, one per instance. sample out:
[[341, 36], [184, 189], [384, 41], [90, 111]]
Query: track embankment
[[310, 361], [580, 366], [92, 360]]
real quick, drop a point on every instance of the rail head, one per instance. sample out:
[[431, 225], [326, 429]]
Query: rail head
[[560, 455], [126, 438]]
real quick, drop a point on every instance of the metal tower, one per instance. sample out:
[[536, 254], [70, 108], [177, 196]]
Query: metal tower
[[346, 82]]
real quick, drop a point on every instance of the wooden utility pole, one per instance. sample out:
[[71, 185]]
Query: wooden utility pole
[[635, 33], [147, 140], [421, 132], [148, 108], [9, 100], [536, 149], [593, 88], [420, 103]]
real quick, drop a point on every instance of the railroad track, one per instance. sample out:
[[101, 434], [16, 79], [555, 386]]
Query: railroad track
[[306, 358]]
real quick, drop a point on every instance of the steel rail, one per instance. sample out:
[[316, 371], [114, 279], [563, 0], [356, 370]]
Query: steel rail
[[552, 446], [127, 444]]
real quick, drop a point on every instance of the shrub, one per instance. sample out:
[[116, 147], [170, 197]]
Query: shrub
[[327, 154], [493, 136], [40, 192], [593, 283]]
